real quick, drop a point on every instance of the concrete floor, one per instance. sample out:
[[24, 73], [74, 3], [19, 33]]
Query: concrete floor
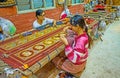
[[104, 58]]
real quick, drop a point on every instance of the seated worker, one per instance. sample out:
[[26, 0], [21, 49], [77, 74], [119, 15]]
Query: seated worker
[[100, 6], [65, 15], [42, 20], [75, 58], [7, 27]]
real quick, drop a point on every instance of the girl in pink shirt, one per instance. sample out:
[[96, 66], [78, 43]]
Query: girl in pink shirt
[[76, 55]]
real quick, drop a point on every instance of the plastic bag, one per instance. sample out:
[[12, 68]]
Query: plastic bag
[[7, 26], [102, 25]]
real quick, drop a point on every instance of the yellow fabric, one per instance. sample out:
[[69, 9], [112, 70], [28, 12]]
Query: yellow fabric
[[24, 77], [116, 2], [87, 1], [113, 2], [25, 66]]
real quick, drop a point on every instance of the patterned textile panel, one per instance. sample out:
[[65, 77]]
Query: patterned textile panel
[[38, 65], [6, 3], [113, 2], [27, 50]]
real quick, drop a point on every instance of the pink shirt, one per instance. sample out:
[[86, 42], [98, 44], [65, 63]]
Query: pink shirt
[[78, 52]]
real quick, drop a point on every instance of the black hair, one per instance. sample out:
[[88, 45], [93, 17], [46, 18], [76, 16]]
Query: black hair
[[79, 20], [39, 12]]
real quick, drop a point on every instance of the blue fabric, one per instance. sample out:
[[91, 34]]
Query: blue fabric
[[41, 27], [27, 33], [2, 37]]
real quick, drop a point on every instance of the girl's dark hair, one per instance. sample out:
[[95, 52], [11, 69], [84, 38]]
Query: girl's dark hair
[[39, 12], [79, 20]]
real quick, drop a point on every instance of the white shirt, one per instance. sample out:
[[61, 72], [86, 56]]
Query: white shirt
[[45, 21]]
